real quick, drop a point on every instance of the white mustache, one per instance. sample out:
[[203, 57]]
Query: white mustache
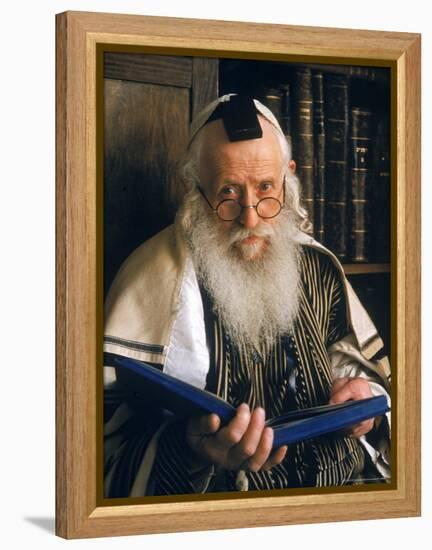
[[239, 233]]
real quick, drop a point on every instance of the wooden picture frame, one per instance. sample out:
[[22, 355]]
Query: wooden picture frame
[[80, 508]]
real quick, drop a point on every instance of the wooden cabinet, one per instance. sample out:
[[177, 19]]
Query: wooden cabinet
[[149, 101]]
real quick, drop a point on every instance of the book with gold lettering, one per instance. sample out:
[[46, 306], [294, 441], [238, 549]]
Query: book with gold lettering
[[336, 175], [319, 154], [303, 139], [360, 145]]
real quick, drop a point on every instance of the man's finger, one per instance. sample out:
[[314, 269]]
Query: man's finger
[[360, 429], [230, 435], [204, 425], [275, 458], [256, 461], [356, 388], [250, 441], [339, 383]]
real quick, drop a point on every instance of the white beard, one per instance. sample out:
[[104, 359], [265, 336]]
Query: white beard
[[255, 292]]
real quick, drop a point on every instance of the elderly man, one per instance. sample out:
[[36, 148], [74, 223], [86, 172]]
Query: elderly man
[[238, 299]]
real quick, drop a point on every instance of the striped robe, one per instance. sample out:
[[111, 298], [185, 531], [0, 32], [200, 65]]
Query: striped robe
[[259, 379]]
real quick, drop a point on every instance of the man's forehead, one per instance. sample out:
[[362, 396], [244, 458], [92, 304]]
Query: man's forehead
[[251, 160]]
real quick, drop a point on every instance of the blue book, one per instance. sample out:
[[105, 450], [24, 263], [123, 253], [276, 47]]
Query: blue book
[[184, 400]]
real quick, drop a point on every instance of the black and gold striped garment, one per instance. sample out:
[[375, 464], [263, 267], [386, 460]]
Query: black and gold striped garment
[[294, 374]]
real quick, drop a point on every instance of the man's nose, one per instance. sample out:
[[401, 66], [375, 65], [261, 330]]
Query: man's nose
[[249, 217]]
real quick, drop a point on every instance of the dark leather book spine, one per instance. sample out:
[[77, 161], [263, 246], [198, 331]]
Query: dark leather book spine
[[303, 145], [319, 153], [380, 212], [286, 120], [273, 100], [360, 144], [380, 75], [336, 122]]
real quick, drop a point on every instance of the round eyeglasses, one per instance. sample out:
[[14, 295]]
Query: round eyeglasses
[[229, 210]]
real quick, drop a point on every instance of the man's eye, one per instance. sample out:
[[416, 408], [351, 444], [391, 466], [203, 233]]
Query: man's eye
[[228, 191], [266, 186]]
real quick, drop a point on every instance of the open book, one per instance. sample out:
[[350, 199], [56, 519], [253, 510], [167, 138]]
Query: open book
[[184, 400]]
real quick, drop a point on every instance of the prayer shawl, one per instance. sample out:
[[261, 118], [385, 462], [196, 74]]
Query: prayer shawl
[[154, 313]]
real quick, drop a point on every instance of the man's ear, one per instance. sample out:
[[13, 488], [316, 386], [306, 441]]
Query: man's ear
[[292, 165]]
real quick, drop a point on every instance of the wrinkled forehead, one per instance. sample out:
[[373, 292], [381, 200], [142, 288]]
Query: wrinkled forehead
[[237, 138], [217, 151], [247, 161]]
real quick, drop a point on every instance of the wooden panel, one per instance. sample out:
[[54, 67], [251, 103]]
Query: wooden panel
[[62, 428], [412, 396], [205, 82], [146, 130], [318, 43], [76, 280], [153, 69], [147, 115]]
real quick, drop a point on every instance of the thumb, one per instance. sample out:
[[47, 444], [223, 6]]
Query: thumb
[[338, 384], [199, 426]]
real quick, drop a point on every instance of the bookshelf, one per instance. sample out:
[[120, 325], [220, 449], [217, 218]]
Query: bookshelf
[[337, 120], [361, 269]]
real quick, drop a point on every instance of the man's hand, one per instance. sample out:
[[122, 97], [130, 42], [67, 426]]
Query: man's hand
[[345, 389], [243, 444]]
